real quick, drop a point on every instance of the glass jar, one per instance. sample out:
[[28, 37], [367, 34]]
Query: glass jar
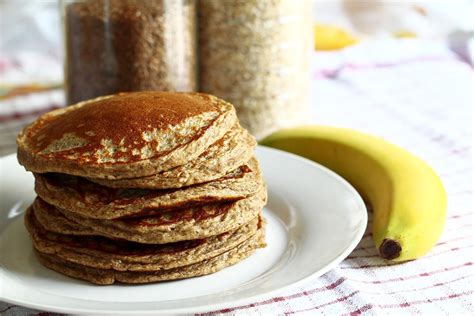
[[128, 45], [256, 54]]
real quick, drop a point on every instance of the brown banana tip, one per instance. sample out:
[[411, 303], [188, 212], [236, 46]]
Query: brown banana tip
[[390, 249]]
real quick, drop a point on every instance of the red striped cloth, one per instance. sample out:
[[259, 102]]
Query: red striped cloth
[[424, 105]]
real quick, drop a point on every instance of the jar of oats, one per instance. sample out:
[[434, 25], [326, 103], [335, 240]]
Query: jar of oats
[[128, 45], [256, 55]]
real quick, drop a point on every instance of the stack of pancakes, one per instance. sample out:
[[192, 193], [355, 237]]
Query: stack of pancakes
[[143, 187]]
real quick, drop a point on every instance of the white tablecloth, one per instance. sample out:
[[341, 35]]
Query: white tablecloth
[[417, 95]]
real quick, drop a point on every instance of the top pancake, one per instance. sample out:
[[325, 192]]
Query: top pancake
[[126, 135], [225, 155]]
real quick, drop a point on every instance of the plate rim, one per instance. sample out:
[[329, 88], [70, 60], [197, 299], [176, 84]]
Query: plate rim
[[232, 302]]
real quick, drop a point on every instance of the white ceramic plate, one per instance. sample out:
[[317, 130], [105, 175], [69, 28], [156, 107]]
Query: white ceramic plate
[[315, 219]]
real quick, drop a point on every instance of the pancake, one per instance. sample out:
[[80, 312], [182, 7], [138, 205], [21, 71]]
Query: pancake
[[86, 198], [163, 227], [126, 135], [110, 276], [104, 253], [225, 155]]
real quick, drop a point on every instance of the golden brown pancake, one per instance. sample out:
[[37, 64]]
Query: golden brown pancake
[[105, 253], [86, 198], [126, 135], [162, 227], [110, 276], [143, 187], [225, 155]]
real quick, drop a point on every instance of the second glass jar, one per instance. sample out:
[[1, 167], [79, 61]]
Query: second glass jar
[[256, 55]]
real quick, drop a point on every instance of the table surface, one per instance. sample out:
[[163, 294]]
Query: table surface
[[415, 94]]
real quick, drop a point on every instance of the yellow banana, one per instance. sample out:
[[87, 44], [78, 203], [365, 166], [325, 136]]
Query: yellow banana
[[407, 197], [329, 37]]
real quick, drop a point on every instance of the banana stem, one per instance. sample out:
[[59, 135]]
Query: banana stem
[[390, 249]]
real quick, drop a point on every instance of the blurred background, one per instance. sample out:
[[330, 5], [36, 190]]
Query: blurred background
[[414, 52]]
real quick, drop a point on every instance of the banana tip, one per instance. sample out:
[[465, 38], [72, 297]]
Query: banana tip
[[390, 249]]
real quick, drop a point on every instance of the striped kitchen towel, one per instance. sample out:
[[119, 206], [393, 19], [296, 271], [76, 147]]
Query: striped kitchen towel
[[424, 104]]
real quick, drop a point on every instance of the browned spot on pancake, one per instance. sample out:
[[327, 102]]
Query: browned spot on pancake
[[118, 123], [101, 195], [159, 217], [175, 207], [40, 203], [166, 218], [114, 246]]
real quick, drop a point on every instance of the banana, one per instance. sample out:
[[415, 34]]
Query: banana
[[407, 197], [329, 37]]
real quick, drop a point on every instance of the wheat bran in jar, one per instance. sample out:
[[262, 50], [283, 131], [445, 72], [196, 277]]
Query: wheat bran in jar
[[129, 45], [256, 55]]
